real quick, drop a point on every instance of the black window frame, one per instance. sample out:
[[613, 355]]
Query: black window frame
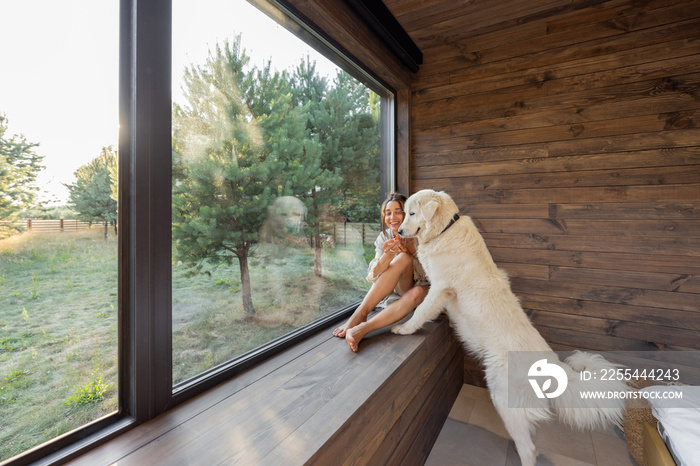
[[145, 189]]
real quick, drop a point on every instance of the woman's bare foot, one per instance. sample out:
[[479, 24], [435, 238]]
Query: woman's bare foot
[[354, 320], [355, 334]]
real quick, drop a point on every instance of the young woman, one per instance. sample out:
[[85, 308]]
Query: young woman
[[398, 278]]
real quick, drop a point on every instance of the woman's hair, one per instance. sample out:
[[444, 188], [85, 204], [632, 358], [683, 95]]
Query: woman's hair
[[400, 198]]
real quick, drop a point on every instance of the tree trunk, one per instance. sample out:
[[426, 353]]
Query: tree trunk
[[316, 225], [246, 293], [106, 229], [318, 269]]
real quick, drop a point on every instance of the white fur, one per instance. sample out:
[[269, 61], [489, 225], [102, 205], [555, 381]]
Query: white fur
[[490, 322]]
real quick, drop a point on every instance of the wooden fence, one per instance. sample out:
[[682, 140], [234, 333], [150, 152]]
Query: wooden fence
[[343, 233], [355, 233], [53, 224]]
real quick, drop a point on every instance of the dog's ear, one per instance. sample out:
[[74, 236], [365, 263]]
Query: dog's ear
[[428, 209]]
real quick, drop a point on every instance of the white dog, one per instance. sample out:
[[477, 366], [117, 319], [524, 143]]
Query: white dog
[[490, 322]]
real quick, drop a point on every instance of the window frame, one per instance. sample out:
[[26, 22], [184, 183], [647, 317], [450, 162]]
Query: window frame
[[145, 191]]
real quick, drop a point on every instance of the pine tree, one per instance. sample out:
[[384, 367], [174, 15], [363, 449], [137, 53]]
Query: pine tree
[[231, 143], [320, 194], [343, 120], [91, 194], [353, 133], [246, 136], [19, 166]]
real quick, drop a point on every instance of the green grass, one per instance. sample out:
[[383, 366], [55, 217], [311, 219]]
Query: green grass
[[210, 326], [58, 322], [58, 298]]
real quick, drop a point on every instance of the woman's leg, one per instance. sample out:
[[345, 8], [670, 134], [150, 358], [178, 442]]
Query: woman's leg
[[391, 314], [399, 276]]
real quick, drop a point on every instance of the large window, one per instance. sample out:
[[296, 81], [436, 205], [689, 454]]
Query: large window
[[185, 188], [276, 186], [58, 246]]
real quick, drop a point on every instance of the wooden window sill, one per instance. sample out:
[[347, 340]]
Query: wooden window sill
[[315, 403]]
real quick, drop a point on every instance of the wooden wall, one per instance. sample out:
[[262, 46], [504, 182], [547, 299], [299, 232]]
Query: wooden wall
[[567, 130]]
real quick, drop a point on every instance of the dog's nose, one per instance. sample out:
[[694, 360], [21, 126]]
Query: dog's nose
[[401, 231]]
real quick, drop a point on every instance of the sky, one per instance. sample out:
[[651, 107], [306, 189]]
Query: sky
[[59, 70]]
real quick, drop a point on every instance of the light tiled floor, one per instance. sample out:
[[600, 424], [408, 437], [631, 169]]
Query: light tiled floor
[[474, 435]]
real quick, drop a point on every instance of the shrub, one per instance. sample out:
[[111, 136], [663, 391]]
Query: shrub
[[91, 392]]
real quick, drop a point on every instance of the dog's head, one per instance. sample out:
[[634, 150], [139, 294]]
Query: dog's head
[[428, 212]]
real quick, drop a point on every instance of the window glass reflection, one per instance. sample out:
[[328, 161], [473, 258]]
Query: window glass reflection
[[275, 183]]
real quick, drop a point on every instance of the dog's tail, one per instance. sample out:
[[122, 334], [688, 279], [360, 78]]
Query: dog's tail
[[594, 396]]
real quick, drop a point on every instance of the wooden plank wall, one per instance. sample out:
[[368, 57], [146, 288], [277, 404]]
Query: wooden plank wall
[[566, 129]]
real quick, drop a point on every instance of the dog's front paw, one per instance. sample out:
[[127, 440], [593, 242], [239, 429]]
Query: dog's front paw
[[403, 329]]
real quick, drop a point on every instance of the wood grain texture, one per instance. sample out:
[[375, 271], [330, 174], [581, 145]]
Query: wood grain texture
[[569, 132], [344, 27], [316, 403]]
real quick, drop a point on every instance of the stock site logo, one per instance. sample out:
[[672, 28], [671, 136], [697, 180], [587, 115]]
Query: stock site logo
[[541, 369]]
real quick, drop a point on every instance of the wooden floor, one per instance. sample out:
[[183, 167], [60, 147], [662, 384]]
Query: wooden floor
[[315, 403], [474, 435]]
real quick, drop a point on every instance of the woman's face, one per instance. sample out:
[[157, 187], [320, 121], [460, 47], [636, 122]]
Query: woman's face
[[393, 215]]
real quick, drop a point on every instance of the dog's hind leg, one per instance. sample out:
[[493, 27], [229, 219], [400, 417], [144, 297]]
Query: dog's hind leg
[[428, 310], [519, 428]]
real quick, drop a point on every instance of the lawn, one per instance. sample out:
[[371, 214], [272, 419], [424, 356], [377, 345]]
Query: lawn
[[58, 321], [58, 335], [210, 326]]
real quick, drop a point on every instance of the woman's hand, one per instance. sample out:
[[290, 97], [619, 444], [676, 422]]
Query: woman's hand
[[391, 249], [396, 246], [393, 246]]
